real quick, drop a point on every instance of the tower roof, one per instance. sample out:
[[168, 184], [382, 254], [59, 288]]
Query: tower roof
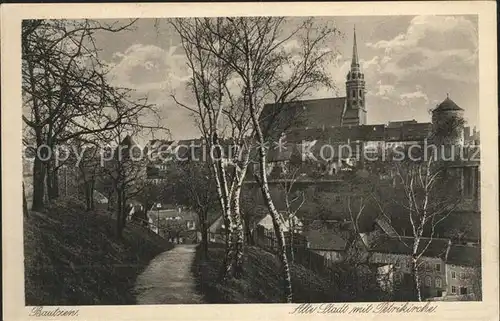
[[355, 60], [447, 105]]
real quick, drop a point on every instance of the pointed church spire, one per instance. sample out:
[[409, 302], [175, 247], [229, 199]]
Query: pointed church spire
[[355, 61]]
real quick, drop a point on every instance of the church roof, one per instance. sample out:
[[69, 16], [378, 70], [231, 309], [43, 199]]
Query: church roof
[[355, 60], [447, 105], [313, 113]]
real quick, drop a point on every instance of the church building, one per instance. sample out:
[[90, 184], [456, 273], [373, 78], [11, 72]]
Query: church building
[[342, 119]]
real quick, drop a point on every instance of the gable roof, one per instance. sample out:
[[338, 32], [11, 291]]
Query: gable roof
[[267, 223], [464, 255], [217, 225], [325, 239], [403, 245], [386, 226]]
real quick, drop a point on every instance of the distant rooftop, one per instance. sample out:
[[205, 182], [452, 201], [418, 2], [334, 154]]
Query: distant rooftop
[[447, 105]]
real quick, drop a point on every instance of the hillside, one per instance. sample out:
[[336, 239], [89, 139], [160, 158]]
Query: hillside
[[72, 257], [261, 280]]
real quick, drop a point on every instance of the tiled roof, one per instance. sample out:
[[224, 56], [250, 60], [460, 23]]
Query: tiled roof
[[447, 105], [314, 113], [403, 245], [378, 132], [386, 226], [325, 239], [464, 255]]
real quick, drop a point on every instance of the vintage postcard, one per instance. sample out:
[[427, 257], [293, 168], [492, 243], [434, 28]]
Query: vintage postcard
[[225, 161]]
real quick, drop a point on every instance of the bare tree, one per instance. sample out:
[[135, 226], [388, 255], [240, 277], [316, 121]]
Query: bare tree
[[265, 71], [250, 52], [125, 168], [422, 192], [66, 94], [222, 122], [194, 187], [293, 201]]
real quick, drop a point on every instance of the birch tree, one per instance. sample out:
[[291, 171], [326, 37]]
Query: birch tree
[[210, 85], [254, 51], [423, 194], [293, 200]]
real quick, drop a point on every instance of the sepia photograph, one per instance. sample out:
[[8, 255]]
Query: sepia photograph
[[318, 160]]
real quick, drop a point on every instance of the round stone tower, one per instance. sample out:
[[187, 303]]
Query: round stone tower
[[448, 123]]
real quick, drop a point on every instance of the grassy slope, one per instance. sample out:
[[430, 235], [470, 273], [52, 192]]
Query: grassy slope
[[73, 258], [261, 281]]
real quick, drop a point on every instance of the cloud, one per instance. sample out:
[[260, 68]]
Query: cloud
[[432, 32], [414, 70], [440, 45], [148, 67], [409, 98]]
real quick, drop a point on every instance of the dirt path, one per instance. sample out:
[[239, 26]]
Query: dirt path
[[168, 279]]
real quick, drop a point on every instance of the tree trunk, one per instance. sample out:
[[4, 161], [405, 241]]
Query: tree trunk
[[292, 228], [278, 229], [225, 201], [239, 237], [416, 276], [38, 185], [204, 235], [119, 214], [110, 201], [52, 181], [89, 195], [280, 235], [25, 203]]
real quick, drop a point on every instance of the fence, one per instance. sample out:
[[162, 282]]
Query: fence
[[298, 252]]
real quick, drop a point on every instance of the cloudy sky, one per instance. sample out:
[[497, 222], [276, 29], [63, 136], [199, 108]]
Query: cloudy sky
[[410, 64]]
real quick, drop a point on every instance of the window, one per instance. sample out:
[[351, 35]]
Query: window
[[453, 275], [463, 290], [212, 237], [462, 275], [453, 289], [428, 281], [428, 267], [190, 225], [360, 93], [438, 282], [438, 267], [353, 93]]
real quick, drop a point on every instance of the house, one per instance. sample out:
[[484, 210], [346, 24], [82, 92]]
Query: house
[[176, 224], [217, 231], [463, 272], [328, 242], [394, 256], [265, 235]]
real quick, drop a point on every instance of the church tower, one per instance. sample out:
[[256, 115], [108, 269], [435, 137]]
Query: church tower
[[355, 113]]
